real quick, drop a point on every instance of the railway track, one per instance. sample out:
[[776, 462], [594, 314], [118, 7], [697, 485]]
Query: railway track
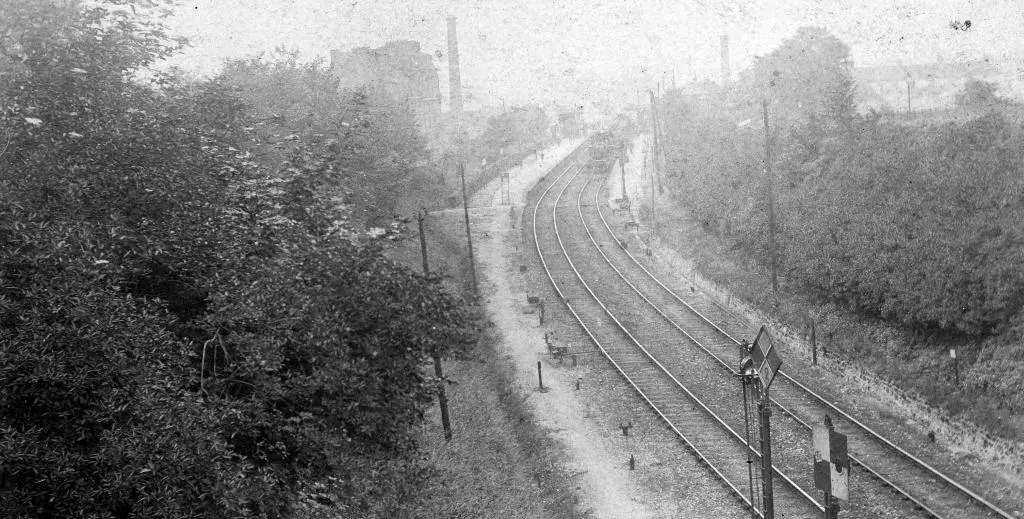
[[680, 362], [718, 445]]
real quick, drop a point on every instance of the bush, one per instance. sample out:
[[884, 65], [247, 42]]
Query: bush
[[184, 333], [917, 225]]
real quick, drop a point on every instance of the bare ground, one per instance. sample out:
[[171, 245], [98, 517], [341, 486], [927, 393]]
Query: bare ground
[[667, 481]]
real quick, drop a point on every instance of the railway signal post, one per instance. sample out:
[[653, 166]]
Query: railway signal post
[[759, 367]]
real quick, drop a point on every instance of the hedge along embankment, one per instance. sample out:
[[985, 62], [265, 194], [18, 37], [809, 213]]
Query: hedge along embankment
[[919, 226]]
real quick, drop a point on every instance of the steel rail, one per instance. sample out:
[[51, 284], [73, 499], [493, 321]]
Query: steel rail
[[700, 455], [658, 363], [607, 260], [721, 362], [871, 432]]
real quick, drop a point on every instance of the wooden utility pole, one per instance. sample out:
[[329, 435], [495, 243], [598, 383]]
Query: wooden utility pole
[[654, 216], [814, 344], [423, 241], [771, 200], [662, 157], [455, 84], [656, 132], [442, 396], [469, 235], [659, 131], [622, 170]]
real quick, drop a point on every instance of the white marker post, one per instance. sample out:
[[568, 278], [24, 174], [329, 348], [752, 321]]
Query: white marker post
[[831, 465], [956, 366]]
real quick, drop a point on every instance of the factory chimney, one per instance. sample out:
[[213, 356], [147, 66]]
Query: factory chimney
[[454, 77], [726, 71]]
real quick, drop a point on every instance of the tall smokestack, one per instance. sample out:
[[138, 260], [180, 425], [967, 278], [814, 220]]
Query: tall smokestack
[[454, 77], [726, 71]]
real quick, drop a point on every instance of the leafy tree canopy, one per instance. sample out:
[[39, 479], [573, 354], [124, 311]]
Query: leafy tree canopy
[[808, 76], [187, 330], [977, 92]]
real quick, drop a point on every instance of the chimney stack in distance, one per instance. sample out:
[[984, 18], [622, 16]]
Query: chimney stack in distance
[[454, 77]]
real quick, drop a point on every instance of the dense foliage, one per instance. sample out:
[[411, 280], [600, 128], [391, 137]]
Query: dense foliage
[[506, 140], [977, 93], [376, 145], [185, 331], [522, 129], [918, 225]]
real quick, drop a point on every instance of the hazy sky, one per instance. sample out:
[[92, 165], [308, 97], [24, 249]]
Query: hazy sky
[[537, 50]]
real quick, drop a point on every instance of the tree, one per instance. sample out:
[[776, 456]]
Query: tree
[[522, 130], [809, 75], [377, 146], [184, 332], [977, 92]]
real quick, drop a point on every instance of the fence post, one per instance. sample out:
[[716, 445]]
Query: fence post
[[814, 345]]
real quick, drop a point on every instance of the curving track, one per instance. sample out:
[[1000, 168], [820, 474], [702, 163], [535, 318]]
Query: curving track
[[715, 443], [679, 362]]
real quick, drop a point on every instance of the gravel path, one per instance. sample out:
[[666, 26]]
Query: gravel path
[[667, 480]]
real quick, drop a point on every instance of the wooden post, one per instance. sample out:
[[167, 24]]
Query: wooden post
[[771, 201], [469, 235], [656, 135], [622, 170], [442, 399], [956, 366], [442, 396], [540, 376], [654, 217], [423, 241], [814, 345]]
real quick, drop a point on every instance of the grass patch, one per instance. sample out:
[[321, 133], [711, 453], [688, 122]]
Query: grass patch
[[447, 253], [500, 462]]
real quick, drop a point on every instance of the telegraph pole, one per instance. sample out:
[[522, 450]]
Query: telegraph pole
[[622, 170], [657, 137], [654, 214], [656, 143], [455, 83], [659, 134], [469, 235], [423, 241], [442, 397], [771, 200], [662, 157]]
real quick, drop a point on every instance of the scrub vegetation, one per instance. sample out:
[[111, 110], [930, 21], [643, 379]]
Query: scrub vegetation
[[918, 227]]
